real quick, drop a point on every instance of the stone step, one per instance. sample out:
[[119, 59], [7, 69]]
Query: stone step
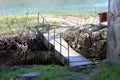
[[27, 76]]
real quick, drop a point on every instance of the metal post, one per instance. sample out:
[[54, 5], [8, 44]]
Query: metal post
[[48, 37], [95, 11], [43, 25], [68, 54], [85, 19], [48, 43], [60, 46], [27, 17], [38, 20], [43, 20], [54, 42]]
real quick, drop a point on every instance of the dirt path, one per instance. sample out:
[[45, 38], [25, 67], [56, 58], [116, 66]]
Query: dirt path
[[73, 22]]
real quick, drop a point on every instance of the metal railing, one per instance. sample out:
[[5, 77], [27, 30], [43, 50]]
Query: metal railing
[[50, 36]]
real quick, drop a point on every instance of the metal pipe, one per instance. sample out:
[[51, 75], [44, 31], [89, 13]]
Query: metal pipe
[[48, 37], [48, 44], [95, 10], [38, 20], [60, 46], [43, 20], [54, 42], [68, 54]]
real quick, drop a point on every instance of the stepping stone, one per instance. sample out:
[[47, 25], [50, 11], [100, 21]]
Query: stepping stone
[[27, 76]]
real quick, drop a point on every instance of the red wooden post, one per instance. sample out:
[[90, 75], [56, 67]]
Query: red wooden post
[[103, 17]]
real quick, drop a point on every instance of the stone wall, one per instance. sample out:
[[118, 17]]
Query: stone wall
[[89, 42]]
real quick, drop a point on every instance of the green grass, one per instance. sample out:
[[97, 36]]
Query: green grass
[[11, 24], [16, 22], [108, 72], [49, 72], [56, 72]]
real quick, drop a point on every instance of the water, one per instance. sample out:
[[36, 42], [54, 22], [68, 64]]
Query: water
[[53, 6]]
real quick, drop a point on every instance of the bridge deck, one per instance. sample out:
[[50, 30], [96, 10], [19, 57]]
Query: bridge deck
[[61, 51]]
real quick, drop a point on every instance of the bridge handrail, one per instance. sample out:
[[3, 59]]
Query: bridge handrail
[[49, 33]]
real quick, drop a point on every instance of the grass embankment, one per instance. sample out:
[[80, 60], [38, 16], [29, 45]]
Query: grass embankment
[[49, 72], [55, 72]]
